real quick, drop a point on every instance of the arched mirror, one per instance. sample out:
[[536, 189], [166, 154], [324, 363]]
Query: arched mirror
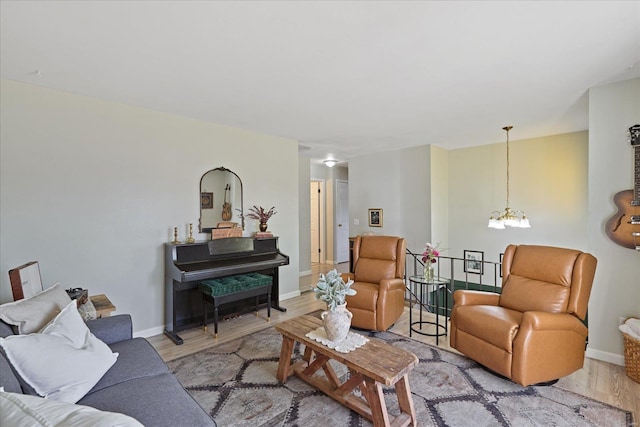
[[220, 199]]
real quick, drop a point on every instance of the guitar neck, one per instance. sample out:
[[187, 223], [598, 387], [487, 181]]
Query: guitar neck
[[636, 176]]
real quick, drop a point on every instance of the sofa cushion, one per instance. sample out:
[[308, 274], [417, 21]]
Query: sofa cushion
[[72, 364], [33, 313], [157, 401], [6, 329], [8, 379], [22, 410], [112, 329], [136, 359]]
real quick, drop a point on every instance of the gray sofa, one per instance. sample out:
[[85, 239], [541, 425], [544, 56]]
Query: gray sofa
[[139, 384]]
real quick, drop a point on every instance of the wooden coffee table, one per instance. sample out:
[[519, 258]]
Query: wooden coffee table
[[371, 366]]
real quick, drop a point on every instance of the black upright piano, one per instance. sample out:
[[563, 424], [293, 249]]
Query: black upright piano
[[187, 264]]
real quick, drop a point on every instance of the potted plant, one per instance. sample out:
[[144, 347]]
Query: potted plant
[[333, 290], [261, 215]]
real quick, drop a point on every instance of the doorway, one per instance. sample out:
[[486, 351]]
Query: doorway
[[342, 221], [317, 222]]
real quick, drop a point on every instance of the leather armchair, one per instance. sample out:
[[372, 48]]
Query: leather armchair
[[532, 332], [378, 264]]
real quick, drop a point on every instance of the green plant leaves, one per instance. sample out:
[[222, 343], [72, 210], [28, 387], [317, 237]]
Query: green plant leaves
[[332, 289]]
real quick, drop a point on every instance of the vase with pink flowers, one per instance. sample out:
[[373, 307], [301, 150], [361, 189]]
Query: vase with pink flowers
[[429, 258]]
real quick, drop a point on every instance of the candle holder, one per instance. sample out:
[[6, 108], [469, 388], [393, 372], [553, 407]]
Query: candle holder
[[175, 236], [190, 239]]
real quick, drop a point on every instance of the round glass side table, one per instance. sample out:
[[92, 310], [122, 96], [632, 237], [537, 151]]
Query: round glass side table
[[421, 291]]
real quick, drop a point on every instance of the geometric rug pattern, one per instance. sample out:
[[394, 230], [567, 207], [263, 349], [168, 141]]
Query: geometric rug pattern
[[236, 383]]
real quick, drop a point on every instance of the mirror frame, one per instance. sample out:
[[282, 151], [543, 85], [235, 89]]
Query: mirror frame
[[222, 169]]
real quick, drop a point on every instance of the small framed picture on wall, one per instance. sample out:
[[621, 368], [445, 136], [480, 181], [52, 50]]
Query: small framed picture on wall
[[500, 266], [206, 200], [473, 262], [375, 217]]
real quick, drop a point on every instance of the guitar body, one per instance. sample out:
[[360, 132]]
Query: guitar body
[[226, 211], [226, 207], [624, 227], [620, 227]]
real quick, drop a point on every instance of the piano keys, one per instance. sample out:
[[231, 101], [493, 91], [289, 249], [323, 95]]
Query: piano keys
[[187, 264]]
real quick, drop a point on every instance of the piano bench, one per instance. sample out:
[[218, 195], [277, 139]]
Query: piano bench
[[234, 288]]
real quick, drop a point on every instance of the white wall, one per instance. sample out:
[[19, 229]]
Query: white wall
[[548, 180], [439, 197], [304, 210], [92, 190], [612, 110], [398, 182]]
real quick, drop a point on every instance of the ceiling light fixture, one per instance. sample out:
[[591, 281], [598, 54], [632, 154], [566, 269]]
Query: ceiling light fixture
[[508, 217], [330, 163]]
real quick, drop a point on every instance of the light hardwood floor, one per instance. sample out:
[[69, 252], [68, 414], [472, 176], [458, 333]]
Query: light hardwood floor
[[599, 380]]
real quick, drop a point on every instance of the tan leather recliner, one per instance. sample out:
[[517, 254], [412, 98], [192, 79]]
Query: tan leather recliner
[[378, 265], [533, 331]]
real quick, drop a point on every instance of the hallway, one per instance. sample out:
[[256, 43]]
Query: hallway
[[308, 281]]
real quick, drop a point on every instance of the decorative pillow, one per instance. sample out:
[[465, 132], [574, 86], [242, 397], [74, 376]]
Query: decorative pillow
[[22, 410], [62, 362], [33, 313]]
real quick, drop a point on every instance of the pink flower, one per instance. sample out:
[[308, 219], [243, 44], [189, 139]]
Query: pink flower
[[430, 253]]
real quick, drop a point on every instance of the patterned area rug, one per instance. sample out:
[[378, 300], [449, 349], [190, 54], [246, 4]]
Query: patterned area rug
[[236, 383]]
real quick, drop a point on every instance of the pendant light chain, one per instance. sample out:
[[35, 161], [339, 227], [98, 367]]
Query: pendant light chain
[[507, 128], [508, 217]]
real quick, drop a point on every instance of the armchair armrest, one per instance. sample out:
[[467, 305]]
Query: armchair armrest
[[390, 284], [468, 297], [543, 321], [112, 329], [548, 345]]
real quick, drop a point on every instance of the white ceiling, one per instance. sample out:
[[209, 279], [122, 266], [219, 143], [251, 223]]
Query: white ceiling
[[343, 78]]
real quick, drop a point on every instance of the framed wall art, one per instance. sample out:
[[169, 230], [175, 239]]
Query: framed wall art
[[206, 200], [473, 262], [500, 266], [375, 217], [26, 280]]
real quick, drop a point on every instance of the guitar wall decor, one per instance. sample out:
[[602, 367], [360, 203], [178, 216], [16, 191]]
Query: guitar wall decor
[[624, 227], [226, 207]]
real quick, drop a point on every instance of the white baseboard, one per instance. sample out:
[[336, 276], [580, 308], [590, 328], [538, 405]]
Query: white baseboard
[[156, 330], [290, 295], [616, 359], [305, 273]]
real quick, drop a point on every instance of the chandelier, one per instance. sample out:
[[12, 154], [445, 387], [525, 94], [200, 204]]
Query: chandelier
[[509, 217]]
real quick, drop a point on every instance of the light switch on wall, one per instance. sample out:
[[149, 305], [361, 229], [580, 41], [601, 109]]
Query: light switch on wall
[[356, 221]]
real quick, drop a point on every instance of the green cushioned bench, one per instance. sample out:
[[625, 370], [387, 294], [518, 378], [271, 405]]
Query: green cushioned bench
[[234, 288]]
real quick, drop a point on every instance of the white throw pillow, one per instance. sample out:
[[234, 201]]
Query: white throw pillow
[[33, 313], [62, 362], [19, 410]]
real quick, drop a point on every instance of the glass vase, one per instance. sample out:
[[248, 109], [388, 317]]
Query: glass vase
[[428, 272]]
